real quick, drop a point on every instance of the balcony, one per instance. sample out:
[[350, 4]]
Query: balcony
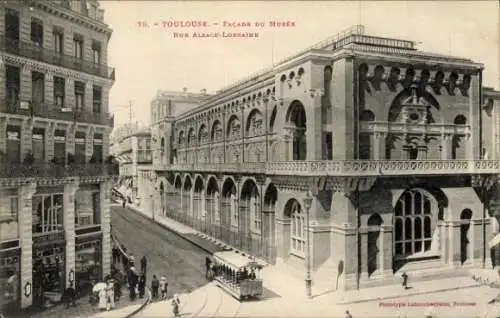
[[52, 170], [48, 237], [144, 156], [53, 111], [36, 52], [351, 167], [89, 229]]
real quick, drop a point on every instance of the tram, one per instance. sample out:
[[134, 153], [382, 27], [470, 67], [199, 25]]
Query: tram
[[237, 275]]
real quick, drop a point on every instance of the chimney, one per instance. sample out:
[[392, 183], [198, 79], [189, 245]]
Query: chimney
[[204, 91], [185, 89]]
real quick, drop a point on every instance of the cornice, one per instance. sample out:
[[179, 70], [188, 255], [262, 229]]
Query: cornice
[[74, 17], [49, 68]]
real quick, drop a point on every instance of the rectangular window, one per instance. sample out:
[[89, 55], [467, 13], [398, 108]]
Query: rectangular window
[[78, 46], [13, 144], [58, 35], [80, 147], [37, 88], [60, 146], [37, 31], [96, 99], [38, 144], [12, 85], [96, 52], [48, 211], [79, 95], [11, 24], [59, 88]]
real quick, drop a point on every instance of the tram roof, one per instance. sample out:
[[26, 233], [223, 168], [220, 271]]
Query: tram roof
[[235, 260]]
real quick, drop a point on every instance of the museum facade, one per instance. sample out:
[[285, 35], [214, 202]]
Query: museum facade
[[391, 153]]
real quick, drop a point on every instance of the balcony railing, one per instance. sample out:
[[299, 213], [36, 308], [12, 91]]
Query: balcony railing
[[40, 238], [53, 111], [39, 53], [350, 167], [52, 170], [88, 229]]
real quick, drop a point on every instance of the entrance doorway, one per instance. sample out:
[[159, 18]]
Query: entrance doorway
[[48, 273]]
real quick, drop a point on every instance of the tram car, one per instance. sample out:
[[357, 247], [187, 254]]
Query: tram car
[[238, 275]]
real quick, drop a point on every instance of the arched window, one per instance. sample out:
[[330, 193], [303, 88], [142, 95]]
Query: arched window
[[298, 236], [414, 223], [460, 120]]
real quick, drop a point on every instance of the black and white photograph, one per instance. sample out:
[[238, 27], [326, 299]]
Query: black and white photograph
[[249, 159]]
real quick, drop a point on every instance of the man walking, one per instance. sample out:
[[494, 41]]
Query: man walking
[[207, 266], [143, 265], [155, 285]]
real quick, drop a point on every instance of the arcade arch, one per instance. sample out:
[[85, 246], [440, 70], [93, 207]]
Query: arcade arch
[[296, 123]]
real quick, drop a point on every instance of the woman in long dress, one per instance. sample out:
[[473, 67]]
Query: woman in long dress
[[102, 299], [110, 294]]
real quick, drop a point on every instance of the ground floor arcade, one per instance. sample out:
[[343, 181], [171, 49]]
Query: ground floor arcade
[[362, 231], [59, 236]]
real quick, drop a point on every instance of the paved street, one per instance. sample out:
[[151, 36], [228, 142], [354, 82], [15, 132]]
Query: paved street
[[167, 254]]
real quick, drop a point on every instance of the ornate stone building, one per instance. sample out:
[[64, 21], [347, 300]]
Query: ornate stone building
[[390, 152], [54, 140]]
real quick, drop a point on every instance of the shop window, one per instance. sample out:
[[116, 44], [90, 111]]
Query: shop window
[[48, 213]]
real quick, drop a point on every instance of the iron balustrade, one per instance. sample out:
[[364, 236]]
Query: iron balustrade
[[40, 238], [88, 229], [349, 167], [53, 111], [37, 52], [53, 170]]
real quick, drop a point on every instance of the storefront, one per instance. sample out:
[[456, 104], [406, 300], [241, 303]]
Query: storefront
[[48, 272], [9, 279], [88, 269]]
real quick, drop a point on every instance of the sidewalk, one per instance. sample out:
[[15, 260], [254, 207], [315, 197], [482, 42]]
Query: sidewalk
[[292, 288]]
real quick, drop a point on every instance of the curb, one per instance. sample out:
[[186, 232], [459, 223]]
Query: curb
[[407, 295], [148, 299], [170, 229]]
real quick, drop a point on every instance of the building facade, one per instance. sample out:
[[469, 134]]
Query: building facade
[[54, 143], [134, 155], [391, 153]]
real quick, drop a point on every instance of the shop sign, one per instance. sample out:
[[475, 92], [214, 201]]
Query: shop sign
[[48, 237]]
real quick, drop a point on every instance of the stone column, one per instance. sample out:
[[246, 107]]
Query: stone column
[[446, 146], [196, 209], [454, 243], [49, 90], [378, 145], [25, 213], [25, 89], [69, 229], [363, 236], [203, 213], [350, 256], [208, 215], [105, 226]]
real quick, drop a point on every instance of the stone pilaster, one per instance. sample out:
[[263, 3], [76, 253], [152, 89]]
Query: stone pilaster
[[105, 99], [454, 243], [69, 229], [282, 241], [49, 142], [364, 252], [104, 202], [25, 91], [69, 93], [49, 90], [89, 143], [105, 144], [26, 138], [377, 140], [3, 134], [70, 139], [26, 242]]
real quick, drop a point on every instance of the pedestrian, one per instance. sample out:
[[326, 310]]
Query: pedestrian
[[117, 289], [69, 297], [163, 287], [142, 286], [144, 263], [348, 314], [175, 304], [207, 266], [155, 285], [131, 260], [110, 295], [405, 280], [123, 203]]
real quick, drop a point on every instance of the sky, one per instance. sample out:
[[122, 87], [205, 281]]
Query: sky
[[151, 58]]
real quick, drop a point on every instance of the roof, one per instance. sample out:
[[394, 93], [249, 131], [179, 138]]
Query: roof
[[235, 260]]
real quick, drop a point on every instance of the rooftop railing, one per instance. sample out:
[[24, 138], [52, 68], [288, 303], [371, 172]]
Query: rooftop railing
[[53, 111], [351, 167], [37, 52], [53, 170]]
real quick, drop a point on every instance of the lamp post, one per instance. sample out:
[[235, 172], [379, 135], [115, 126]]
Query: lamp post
[[307, 203]]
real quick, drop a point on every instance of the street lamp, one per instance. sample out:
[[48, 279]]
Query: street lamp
[[307, 204]]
